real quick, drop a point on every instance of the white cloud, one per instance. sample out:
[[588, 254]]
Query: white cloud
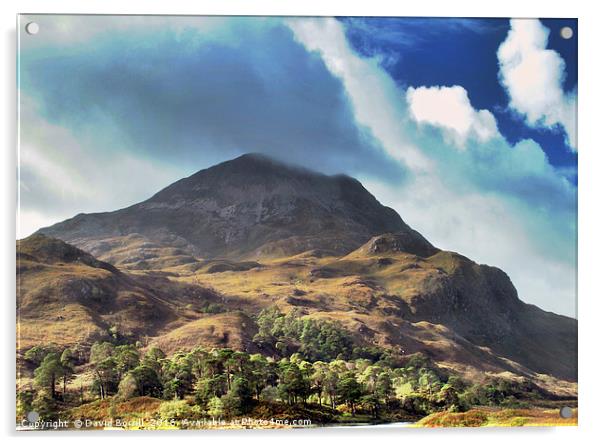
[[473, 201], [449, 109], [368, 87], [533, 77]]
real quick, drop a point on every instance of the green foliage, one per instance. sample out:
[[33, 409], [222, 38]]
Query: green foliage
[[231, 405], [48, 373], [215, 407], [213, 308], [68, 358], [239, 399], [126, 358], [36, 354], [104, 367], [45, 406], [316, 339], [25, 402], [101, 351], [417, 403], [349, 390], [153, 358], [294, 386], [372, 353], [147, 380], [499, 392], [513, 402], [177, 375], [176, 410], [227, 383], [242, 391], [210, 387], [128, 387]]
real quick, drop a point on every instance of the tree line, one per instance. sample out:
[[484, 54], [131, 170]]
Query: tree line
[[223, 382]]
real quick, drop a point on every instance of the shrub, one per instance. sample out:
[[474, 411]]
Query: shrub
[[24, 402], [213, 308], [471, 418], [518, 421], [215, 407], [128, 387], [175, 409], [45, 406]]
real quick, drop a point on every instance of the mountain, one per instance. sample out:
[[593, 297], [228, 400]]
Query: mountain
[[66, 296], [249, 207], [197, 262], [478, 303]]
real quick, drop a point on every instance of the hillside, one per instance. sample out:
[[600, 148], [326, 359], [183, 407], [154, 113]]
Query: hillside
[[196, 263], [465, 315], [66, 296]]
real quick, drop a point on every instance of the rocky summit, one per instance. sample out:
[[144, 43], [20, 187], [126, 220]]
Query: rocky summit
[[251, 206]]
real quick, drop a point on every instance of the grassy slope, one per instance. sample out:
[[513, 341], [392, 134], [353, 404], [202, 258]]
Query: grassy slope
[[71, 298], [498, 417], [394, 300]]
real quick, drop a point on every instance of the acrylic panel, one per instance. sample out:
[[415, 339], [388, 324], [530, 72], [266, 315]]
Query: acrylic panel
[[295, 222]]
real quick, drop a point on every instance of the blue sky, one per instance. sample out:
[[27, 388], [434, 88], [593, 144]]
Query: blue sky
[[463, 52], [466, 127]]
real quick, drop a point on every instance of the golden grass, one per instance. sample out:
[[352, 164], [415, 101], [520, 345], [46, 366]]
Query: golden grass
[[70, 324], [221, 330], [136, 408], [488, 417]]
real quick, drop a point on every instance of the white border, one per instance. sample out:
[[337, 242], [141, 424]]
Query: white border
[[590, 223]]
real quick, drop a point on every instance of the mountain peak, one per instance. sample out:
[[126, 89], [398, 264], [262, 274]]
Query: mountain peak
[[250, 160], [254, 157], [253, 165], [246, 207]]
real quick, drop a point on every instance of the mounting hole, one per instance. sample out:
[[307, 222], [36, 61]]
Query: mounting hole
[[32, 28], [566, 412], [566, 32], [33, 417]]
